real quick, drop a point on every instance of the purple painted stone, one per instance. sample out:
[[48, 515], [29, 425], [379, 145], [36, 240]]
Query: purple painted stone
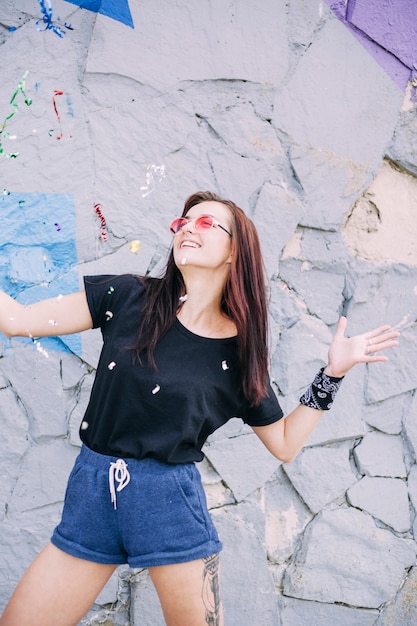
[[390, 23], [387, 29]]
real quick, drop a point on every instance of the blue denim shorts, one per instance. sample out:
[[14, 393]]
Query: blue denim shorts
[[144, 513]]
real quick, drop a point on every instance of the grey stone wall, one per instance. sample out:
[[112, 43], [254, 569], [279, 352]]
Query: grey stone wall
[[279, 107]]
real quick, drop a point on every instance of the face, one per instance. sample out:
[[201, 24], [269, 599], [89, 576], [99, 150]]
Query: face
[[209, 248]]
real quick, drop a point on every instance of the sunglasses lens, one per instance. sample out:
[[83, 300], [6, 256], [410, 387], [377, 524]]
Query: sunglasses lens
[[205, 222], [177, 225], [201, 224]]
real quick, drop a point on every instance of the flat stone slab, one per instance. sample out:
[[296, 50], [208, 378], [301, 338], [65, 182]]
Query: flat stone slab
[[345, 558]]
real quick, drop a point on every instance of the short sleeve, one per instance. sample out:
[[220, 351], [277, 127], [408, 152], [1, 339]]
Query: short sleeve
[[266, 412], [107, 293]]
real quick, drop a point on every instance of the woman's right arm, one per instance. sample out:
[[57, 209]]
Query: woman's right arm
[[62, 315]]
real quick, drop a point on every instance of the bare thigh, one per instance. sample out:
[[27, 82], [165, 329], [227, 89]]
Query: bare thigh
[[190, 592], [56, 590]]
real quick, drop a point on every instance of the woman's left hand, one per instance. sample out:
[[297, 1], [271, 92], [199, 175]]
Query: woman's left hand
[[346, 352]]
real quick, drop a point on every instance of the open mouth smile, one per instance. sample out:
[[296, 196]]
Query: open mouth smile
[[189, 244]]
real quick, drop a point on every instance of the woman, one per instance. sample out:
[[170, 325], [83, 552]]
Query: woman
[[181, 355]]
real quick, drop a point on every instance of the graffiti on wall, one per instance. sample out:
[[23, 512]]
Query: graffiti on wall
[[389, 34], [115, 9], [38, 256]]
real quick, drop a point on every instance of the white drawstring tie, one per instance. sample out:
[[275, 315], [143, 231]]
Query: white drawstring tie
[[118, 472]]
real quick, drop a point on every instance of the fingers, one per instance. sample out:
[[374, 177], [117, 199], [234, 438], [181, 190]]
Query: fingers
[[341, 327], [364, 348], [381, 332], [372, 346], [380, 342]]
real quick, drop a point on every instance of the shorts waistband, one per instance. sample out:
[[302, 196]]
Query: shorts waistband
[[101, 461]]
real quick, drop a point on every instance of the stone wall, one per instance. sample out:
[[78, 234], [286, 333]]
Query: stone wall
[[304, 113]]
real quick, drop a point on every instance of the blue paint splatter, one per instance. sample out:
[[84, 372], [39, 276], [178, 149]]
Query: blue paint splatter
[[70, 110], [38, 261], [116, 9]]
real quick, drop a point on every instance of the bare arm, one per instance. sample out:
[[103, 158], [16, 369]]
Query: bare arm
[[285, 438], [56, 316]]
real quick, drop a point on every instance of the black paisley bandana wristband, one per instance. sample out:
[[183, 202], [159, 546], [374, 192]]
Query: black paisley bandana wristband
[[322, 391]]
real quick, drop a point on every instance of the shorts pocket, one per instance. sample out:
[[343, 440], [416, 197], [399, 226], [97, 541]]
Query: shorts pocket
[[190, 487]]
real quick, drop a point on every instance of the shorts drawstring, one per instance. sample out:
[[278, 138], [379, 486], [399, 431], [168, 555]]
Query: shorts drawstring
[[118, 472]]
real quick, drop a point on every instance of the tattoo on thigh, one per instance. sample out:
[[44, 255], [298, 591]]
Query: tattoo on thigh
[[211, 590]]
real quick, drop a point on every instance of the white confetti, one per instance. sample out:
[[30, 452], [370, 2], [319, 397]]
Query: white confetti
[[183, 261], [156, 389], [109, 315], [53, 322], [59, 298], [84, 425], [40, 349], [154, 175], [224, 365], [183, 298], [111, 365], [37, 343]]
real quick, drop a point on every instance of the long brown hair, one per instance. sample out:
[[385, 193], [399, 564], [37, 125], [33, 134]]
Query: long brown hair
[[244, 300]]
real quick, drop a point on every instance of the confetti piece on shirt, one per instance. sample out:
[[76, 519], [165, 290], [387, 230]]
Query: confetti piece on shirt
[[109, 315], [97, 209], [224, 365], [84, 425], [57, 226], [134, 246], [59, 298], [110, 290], [111, 365], [156, 389]]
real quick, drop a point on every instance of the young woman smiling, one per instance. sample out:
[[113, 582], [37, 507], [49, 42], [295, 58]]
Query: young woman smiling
[[181, 355]]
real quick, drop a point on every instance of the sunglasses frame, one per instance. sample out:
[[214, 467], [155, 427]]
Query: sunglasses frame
[[195, 220]]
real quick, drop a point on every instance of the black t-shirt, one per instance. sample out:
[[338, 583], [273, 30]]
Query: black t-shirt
[[166, 414]]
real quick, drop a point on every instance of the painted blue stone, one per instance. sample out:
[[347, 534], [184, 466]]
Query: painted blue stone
[[38, 255], [116, 9]]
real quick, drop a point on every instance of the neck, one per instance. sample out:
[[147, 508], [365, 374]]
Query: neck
[[201, 312]]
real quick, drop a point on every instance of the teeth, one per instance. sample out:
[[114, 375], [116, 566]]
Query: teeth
[[189, 244]]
